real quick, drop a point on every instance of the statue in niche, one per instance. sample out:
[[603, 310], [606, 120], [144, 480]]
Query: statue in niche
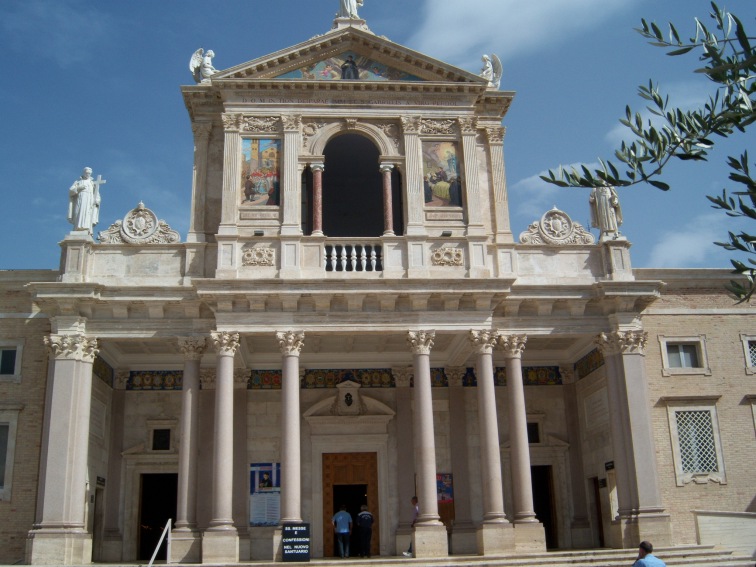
[[201, 65], [492, 70], [84, 201], [606, 213], [348, 9]]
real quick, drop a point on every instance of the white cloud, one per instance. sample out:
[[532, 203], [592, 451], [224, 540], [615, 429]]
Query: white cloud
[[459, 32], [532, 197], [691, 245]]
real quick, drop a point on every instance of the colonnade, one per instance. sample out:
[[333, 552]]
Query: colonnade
[[61, 534]]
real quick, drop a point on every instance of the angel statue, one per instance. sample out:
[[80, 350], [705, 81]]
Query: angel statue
[[348, 9], [492, 70], [202, 66]]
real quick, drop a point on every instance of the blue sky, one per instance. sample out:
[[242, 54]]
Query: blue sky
[[93, 83]]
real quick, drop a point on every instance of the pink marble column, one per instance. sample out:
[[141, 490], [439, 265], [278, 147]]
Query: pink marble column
[[483, 343], [186, 508], [388, 207], [291, 344], [522, 489], [317, 198], [226, 345], [421, 343]]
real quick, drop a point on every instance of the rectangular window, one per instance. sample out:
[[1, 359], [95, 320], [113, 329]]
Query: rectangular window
[[682, 355], [4, 430], [8, 361], [161, 440], [534, 433], [697, 448]]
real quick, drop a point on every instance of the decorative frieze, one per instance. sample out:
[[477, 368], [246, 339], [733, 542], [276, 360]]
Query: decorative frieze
[[429, 126], [447, 256], [258, 256], [290, 342], [421, 342], [556, 228], [71, 347], [140, 226], [262, 125]]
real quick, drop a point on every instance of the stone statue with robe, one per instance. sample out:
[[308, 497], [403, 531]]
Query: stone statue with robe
[[348, 9], [84, 202], [606, 213]]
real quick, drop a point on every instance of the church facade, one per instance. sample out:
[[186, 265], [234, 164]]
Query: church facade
[[351, 320]]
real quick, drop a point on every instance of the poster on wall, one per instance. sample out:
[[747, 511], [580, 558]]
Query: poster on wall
[[442, 183], [260, 182], [265, 494], [445, 492]]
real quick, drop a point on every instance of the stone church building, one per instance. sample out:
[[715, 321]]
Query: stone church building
[[352, 320]]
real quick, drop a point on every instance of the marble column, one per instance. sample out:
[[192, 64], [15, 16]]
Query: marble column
[[317, 198], [61, 536], [220, 542], [186, 537], [291, 343], [388, 207], [429, 538], [641, 513], [529, 533], [495, 534]]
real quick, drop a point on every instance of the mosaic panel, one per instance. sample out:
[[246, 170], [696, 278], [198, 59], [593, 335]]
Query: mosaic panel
[[531, 376], [589, 363], [103, 371], [155, 380], [368, 378], [264, 380]]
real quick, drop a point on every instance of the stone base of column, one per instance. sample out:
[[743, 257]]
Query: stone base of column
[[656, 528], [464, 539], [221, 546], [277, 545], [495, 539], [186, 546], [430, 541], [530, 537], [58, 547]]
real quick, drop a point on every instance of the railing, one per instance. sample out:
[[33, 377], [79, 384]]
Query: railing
[[166, 531], [346, 257]]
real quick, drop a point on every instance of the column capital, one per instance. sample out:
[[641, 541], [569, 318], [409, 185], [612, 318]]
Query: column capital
[[290, 342], [317, 166], [468, 126], [568, 374], [456, 375], [496, 134], [202, 130], [291, 123], [387, 167], [622, 342], [225, 343], [71, 347], [192, 347], [403, 376], [512, 345], [411, 124], [231, 122], [483, 342], [421, 342]]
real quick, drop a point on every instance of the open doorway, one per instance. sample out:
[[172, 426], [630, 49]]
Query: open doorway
[[543, 502], [157, 503], [352, 496]]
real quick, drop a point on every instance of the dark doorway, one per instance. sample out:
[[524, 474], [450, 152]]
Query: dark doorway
[[598, 516], [543, 502], [157, 504], [353, 496]]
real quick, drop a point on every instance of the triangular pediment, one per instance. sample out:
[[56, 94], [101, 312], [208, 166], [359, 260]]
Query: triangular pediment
[[376, 59]]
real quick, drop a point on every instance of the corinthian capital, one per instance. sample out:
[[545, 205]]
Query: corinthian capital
[[225, 343], [511, 345], [202, 130], [622, 342], [192, 347], [291, 342], [411, 124], [71, 347], [483, 342], [421, 342]]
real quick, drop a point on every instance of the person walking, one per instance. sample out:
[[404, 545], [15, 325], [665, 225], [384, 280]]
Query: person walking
[[365, 524], [342, 526], [415, 513]]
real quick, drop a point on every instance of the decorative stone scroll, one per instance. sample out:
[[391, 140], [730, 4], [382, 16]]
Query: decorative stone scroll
[[139, 226], [556, 228], [72, 347], [392, 132], [258, 256], [437, 126], [447, 256]]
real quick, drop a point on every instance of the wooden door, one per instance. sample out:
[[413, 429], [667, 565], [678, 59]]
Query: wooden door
[[346, 469]]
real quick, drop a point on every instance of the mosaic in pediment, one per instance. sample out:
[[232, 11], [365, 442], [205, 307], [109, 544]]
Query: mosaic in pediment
[[349, 66]]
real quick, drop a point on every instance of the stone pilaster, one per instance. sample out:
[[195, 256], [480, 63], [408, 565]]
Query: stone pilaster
[[413, 152], [291, 199], [495, 136], [201, 132], [61, 536], [468, 128]]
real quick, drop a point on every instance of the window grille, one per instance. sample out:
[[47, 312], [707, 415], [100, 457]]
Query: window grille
[[697, 446], [751, 353]]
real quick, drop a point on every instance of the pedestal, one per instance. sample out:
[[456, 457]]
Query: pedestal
[[59, 547], [220, 546], [430, 541], [530, 537], [464, 539], [186, 546], [495, 539], [656, 528]]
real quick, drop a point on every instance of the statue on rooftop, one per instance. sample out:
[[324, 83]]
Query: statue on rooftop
[[201, 65], [492, 70], [606, 213], [84, 201], [348, 9]]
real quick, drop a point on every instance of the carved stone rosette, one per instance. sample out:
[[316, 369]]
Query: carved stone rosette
[[140, 226], [447, 256], [192, 347], [483, 342], [622, 342], [225, 343], [71, 347], [556, 228], [511, 345], [290, 342], [421, 342], [258, 256]]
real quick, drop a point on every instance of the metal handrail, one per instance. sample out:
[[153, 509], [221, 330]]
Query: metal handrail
[[166, 530]]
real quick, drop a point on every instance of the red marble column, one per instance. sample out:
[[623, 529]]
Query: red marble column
[[388, 207], [317, 198]]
